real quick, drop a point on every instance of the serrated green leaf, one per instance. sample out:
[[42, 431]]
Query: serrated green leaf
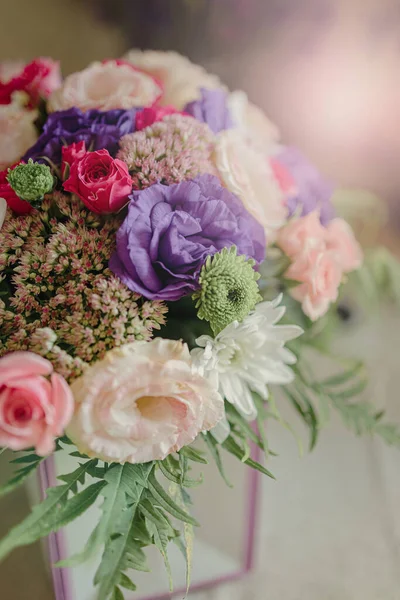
[[31, 458], [176, 475], [159, 532], [117, 594], [166, 502], [212, 445], [56, 511], [236, 419], [306, 411], [123, 547], [119, 482], [194, 455], [32, 462], [233, 448], [126, 583], [343, 377]]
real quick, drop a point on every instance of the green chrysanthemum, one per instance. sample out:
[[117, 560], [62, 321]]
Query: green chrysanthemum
[[31, 181], [229, 289]]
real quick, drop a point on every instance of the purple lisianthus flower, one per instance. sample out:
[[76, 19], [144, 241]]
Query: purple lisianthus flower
[[97, 129], [170, 230], [311, 190], [212, 108]]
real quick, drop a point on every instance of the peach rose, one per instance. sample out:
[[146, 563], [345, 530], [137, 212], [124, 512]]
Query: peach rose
[[142, 402], [105, 86], [34, 409], [17, 132], [181, 78], [341, 241], [247, 173], [301, 235], [320, 276], [252, 122]]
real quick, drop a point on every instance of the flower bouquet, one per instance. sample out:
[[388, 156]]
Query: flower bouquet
[[166, 267]]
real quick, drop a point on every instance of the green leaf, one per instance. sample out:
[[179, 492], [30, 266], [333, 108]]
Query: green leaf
[[117, 594], [212, 445], [194, 455], [236, 419], [166, 502], [123, 547], [176, 477], [125, 582], [159, 530], [306, 412], [32, 461], [56, 511], [344, 376], [233, 448]]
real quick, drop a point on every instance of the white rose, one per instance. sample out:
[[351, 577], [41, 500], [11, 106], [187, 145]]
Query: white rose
[[105, 86], [181, 78], [252, 122], [17, 132], [246, 172]]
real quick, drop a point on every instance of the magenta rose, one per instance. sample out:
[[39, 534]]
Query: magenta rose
[[102, 182], [36, 404], [69, 154]]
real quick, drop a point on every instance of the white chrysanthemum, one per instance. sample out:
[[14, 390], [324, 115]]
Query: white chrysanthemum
[[246, 357]]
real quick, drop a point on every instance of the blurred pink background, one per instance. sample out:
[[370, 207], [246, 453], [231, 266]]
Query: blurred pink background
[[329, 75]]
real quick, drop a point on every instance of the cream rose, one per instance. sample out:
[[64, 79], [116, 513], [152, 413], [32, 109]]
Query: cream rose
[[181, 78], [105, 86], [252, 122], [246, 172], [142, 402], [17, 132]]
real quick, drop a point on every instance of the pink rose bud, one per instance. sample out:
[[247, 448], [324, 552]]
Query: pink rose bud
[[69, 154], [148, 116], [102, 183], [36, 404], [341, 241], [320, 276]]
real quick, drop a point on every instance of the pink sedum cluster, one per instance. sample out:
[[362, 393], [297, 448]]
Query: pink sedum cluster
[[172, 150], [320, 257]]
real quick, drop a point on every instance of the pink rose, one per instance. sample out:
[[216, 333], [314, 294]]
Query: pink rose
[[17, 132], [102, 183], [301, 235], [341, 241], [141, 402], [106, 86], [34, 410], [320, 276], [38, 79], [20, 207], [148, 116], [69, 154]]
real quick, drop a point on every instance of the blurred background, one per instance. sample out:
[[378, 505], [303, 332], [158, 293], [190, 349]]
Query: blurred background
[[327, 72]]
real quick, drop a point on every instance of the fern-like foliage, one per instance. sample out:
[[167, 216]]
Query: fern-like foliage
[[63, 504]]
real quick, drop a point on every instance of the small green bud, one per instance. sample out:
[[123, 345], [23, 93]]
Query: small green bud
[[229, 289], [31, 181]]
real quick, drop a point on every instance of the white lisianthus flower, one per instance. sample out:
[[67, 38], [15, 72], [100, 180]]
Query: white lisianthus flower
[[246, 357]]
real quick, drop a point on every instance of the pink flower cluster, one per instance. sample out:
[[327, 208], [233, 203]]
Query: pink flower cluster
[[172, 150], [61, 282], [320, 257]]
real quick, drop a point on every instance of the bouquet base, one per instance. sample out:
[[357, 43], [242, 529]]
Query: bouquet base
[[223, 550]]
